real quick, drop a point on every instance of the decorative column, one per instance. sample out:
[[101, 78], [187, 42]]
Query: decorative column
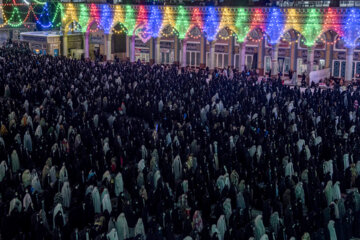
[[128, 41], [212, 55], [176, 50], [349, 63], [231, 52], [202, 52], [242, 52], [65, 44], [86, 45], [310, 59], [132, 49], [183, 53], [274, 59], [157, 50], [329, 56], [108, 46]]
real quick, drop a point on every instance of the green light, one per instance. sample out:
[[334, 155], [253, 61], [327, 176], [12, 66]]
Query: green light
[[84, 17], [182, 22], [242, 24], [312, 28], [18, 21], [130, 20], [59, 11]]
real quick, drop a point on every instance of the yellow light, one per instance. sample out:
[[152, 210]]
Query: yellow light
[[70, 14], [292, 21]]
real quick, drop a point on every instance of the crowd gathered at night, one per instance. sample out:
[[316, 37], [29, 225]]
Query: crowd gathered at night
[[119, 150]]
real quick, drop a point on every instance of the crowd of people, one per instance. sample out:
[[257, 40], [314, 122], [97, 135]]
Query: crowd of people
[[125, 150]]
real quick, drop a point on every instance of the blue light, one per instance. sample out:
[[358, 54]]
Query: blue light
[[155, 21], [45, 14], [275, 25], [211, 23], [106, 18], [352, 27]]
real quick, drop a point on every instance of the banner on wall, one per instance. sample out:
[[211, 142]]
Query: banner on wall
[[316, 76]]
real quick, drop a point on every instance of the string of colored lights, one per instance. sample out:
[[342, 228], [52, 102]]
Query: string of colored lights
[[211, 24], [275, 26], [106, 18], [351, 29], [130, 20], [242, 27], [152, 20], [83, 17], [182, 22], [312, 28], [45, 14]]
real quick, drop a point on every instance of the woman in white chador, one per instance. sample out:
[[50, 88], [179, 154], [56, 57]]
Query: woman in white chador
[[259, 227], [275, 223], [3, 169], [95, 195], [227, 209], [119, 184], [214, 231], [27, 202], [221, 226], [26, 178], [35, 184], [15, 204], [299, 192], [140, 229], [27, 141], [331, 229], [66, 194], [15, 164], [122, 227], [38, 132], [63, 175], [58, 209], [346, 161], [105, 201], [336, 191], [329, 192], [177, 168], [289, 170], [112, 235], [264, 237]]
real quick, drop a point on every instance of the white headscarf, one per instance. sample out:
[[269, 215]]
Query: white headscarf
[[336, 191], [15, 164], [106, 203], [15, 203], [259, 227], [95, 195], [177, 168], [299, 192], [112, 235], [331, 228], [27, 141], [122, 227], [57, 209], [3, 169], [27, 201], [66, 194], [140, 229], [35, 184], [119, 184], [329, 192], [289, 169], [63, 175], [221, 226], [227, 209]]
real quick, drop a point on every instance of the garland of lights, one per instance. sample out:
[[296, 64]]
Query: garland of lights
[[182, 22], [45, 14], [238, 22], [15, 14]]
